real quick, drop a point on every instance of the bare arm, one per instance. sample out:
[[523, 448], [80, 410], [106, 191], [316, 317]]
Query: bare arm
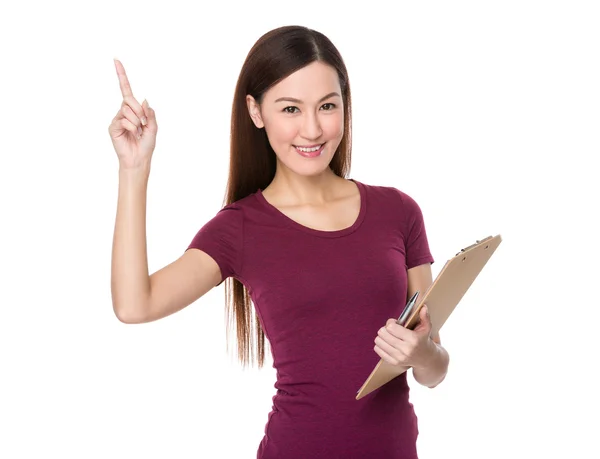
[[130, 282], [420, 278], [136, 296]]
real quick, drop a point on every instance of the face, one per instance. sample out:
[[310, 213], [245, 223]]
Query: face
[[303, 116]]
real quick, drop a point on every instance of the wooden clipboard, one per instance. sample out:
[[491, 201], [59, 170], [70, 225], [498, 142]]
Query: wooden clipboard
[[441, 298]]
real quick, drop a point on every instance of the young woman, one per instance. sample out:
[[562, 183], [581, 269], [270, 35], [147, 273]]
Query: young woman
[[328, 262]]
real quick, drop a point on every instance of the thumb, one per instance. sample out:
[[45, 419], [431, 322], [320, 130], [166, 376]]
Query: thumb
[[150, 115], [425, 320]]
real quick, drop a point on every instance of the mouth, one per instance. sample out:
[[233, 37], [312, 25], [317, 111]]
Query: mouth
[[310, 151]]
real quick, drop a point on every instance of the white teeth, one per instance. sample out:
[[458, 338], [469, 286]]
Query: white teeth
[[308, 150]]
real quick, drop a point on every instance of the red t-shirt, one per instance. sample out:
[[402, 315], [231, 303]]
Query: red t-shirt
[[321, 297]]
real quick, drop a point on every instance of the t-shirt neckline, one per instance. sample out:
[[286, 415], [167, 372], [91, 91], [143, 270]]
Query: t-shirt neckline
[[342, 232]]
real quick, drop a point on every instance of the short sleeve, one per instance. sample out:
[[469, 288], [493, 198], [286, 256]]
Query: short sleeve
[[222, 239], [415, 235]]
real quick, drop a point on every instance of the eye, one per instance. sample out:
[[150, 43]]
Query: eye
[[329, 104], [286, 109]]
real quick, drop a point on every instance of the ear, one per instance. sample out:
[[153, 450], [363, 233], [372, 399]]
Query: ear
[[254, 110]]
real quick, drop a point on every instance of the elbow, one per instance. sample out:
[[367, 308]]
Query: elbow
[[127, 315], [437, 383], [129, 311], [433, 386]]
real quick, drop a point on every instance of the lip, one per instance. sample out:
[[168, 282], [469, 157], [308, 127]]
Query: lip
[[314, 154], [310, 146]]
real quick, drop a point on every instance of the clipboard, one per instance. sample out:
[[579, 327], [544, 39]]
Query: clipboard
[[441, 298]]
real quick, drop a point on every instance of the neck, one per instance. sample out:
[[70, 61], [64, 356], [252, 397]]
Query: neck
[[295, 189]]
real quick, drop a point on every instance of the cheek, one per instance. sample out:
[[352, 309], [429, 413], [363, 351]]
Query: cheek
[[281, 131], [333, 125]]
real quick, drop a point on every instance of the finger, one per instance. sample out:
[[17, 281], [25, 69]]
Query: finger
[[388, 353], [426, 316], [132, 117], [385, 345], [396, 330], [424, 323], [150, 115], [135, 106], [130, 127], [123, 81], [393, 339], [128, 94]]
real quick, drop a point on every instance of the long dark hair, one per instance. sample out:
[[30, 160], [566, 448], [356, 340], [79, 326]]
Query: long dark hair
[[252, 161]]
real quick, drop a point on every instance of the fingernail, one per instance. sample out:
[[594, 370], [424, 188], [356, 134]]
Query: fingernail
[[144, 120]]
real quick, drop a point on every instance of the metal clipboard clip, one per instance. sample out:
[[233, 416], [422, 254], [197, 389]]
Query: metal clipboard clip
[[473, 245]]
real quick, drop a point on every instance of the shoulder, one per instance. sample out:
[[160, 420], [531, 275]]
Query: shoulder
[[236, 209], [229, 212], [228, 220], [393, 197]]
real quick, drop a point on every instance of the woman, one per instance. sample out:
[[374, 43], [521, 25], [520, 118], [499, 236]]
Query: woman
[[324, 259]]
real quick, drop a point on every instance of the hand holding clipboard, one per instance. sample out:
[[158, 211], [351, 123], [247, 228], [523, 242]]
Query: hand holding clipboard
[[441, 298]]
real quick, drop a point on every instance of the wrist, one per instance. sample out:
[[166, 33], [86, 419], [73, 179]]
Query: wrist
[[141, 172], [430, 355]]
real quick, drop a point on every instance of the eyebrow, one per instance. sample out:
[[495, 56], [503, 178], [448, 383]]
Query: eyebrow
[[298, 101]]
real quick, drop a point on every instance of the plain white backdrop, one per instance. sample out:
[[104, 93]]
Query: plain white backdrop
[[486, 113]]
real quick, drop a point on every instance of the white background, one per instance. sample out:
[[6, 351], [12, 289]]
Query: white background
[[487, 106]]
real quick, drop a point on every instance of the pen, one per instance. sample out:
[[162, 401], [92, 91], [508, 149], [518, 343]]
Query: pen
[[405, 312], [407, 309]]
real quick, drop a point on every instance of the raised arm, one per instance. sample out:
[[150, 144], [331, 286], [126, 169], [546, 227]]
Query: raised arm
[[136, 296]]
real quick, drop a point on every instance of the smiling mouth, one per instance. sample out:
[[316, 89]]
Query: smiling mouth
[[309, 149]]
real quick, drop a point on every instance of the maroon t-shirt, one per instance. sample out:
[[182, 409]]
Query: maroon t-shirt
[[321, 297]]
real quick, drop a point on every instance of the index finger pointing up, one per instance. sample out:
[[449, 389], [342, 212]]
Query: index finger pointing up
[[123, 81]]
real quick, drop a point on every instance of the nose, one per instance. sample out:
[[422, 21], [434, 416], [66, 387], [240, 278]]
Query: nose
[[311, 127]]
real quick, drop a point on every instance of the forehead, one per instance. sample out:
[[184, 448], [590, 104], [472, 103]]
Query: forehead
[[308, 84]]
